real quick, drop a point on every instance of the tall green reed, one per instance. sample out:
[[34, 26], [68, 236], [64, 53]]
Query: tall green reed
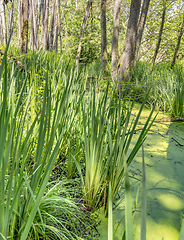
[[28, 152], [107, 132], [166, 86]]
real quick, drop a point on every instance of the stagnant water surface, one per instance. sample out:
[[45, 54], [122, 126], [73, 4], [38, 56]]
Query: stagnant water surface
[[164, 159]]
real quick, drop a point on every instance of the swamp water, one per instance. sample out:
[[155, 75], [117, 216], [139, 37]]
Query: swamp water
[[164, 162]]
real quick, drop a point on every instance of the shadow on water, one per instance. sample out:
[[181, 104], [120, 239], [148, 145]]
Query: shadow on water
[[164, 159], [165, 182]]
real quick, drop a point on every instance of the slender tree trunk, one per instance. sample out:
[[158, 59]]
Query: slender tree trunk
[[11, 18], [2, 12], [61, 21], [104, 60], [31, 39], [56, 29], [24, 31], [34, 25], [51, 27], [92, 17], [127, 56], [45, 30], [82, 31], [160, 35], [115, 38], [19, 22], [38, 24], [141, 25], [178, 44]]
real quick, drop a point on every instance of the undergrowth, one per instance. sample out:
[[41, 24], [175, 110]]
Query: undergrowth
[[65, 139]]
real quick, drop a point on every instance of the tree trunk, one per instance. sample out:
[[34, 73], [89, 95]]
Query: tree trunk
[[24, 31], [31, 38], [141, 25], [57, 27], [34, 25], [104, 60], [127, 56], [160, 35], [38, 24], [11, 18], [2, 12], [19, 22], [45, 24], [43, 8], [51, 27], [61, 21], [82, 31], [115, 38], [178, 44]]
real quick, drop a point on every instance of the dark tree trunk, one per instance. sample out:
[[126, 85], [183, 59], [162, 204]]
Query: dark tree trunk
[[115, 38], [127, 56], [104, 60], [51, 27], [178, 44], [45, 16], [141, 25], [57, 27], [160, 35], [24, 31]]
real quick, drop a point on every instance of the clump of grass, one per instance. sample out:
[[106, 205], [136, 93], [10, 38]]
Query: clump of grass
[[29, 208], [106, 133], [166, 86]]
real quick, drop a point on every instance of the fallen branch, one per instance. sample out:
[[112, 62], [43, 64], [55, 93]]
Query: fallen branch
[[139, 129], [174, 119], [181, 145], [168, 129]]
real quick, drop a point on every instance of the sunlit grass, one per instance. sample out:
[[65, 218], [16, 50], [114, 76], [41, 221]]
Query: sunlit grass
[[53, 114]]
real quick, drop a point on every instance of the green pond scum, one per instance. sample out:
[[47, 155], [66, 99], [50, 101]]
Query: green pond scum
[[163, 155]]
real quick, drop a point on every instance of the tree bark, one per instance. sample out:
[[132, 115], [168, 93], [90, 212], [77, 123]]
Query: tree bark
[[82, 31], [45, 23], [114, 58], [178, 44], [160, 36], [19, 22], [51, 26], [141, 25], [34, 25], [104, 60], [24, 31], [2, 11], [57, 27], [127, 56], [43, 8], [11, 18]]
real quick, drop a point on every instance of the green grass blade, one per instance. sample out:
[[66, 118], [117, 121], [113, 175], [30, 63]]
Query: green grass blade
[[143, 215], [110, 214], [128, 206], [41, 190], [181, 236]]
